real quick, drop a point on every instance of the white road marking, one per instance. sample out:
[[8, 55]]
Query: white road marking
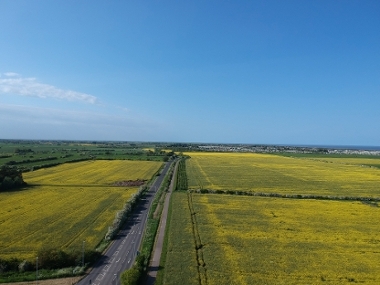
[[118, 259], [129, 260], [99, 278]]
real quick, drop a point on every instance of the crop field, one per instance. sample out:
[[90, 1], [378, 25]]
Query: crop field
[[353, 159], [370, 162], [230, 239], [180, 266], [66, 205], [279, 174], [32, 155]]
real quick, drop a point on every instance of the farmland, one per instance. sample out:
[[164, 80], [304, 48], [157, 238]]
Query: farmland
[[256, 240], [243, 239], [66, 205], [32, 155], [279, 174]]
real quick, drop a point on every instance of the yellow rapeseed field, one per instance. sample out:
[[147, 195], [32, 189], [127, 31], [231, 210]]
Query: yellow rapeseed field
[[277, 174], [66, 205], [257, 240], [364, 162]]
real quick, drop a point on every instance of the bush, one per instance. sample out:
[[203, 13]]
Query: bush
[[9, 265], [50, 258], [134, 275], [130, 277]]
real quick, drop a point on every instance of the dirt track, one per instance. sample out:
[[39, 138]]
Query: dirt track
[[61, 281]]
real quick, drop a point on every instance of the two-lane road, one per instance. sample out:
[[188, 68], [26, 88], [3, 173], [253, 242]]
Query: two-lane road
[[122, 253]]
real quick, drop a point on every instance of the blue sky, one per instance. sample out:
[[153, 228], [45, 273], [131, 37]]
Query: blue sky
[[271, 72]]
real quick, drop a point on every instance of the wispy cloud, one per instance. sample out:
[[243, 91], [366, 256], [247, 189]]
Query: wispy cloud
[[34, 114], [11, 74], [52, 123], [14, 84]]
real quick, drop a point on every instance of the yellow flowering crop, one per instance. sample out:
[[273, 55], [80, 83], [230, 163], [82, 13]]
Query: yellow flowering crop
[[256, 240], [277, 174], [66, 205], [364, 162]]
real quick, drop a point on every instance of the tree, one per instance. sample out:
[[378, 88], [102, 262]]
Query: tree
[[10, 177]]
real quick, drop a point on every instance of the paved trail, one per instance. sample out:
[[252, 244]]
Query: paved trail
[[155, 261]]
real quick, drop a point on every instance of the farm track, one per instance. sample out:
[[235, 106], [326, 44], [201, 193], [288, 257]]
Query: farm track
[[202, 270], [202, 174], [58, 281]]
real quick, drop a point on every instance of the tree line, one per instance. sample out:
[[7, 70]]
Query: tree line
[[10, 178]]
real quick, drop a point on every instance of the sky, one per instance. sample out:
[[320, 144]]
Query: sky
[[251, 72]]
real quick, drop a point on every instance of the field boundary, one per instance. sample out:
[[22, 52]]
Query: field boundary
[[202, 270], [368, 200]]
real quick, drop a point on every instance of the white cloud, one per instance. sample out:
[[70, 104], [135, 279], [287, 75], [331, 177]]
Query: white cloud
[[16, 85], [11, 74]]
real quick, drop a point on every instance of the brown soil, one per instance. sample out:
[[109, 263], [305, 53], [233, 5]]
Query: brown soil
[[137, 182], [61, 281]]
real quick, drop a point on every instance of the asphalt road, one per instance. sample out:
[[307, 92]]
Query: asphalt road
[[123, 251]]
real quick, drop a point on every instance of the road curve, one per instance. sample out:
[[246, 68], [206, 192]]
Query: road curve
[[121, 254]]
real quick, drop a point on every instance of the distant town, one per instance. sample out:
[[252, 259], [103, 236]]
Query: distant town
[[288, 149]]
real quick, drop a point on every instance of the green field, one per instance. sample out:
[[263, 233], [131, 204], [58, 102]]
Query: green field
[[256, 240], [29, 155]]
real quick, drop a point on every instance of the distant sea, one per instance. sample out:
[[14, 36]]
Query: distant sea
[[351, 147]]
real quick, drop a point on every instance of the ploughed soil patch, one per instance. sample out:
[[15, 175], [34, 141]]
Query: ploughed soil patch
[[137, 182]]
